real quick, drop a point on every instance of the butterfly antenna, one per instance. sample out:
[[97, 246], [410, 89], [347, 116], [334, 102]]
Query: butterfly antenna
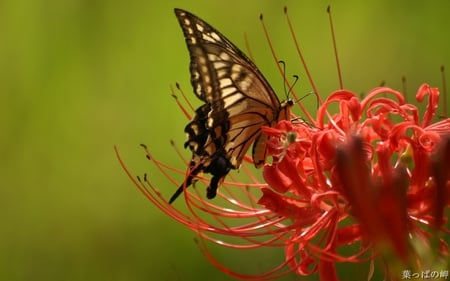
[[289, 91], [292, 86], [444, 92], [338, 65], [272, 50], [284, 76]]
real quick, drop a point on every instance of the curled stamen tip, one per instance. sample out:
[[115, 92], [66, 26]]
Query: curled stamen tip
[[143, 145]]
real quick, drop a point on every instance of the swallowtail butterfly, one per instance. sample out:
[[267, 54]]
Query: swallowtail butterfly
[[237, 98]]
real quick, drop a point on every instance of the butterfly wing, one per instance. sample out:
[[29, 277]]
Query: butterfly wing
[[223, 76], [238, 101]]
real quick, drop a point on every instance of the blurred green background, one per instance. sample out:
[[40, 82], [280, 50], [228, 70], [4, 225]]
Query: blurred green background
[[77, 77]]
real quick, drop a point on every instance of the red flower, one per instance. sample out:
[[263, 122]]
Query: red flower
[[370, 166], [373, 178]]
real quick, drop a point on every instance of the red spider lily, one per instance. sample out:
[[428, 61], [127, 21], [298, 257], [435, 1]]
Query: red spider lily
[[373, 178], [383, 172]]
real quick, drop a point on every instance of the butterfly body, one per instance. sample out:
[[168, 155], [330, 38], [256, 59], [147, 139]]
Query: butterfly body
[[238, 101]]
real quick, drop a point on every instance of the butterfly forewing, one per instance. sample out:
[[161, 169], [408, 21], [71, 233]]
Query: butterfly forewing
[[238, 102], [216, 63]]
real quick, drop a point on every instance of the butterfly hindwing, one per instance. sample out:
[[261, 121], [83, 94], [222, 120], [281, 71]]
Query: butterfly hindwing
[[238, 102]]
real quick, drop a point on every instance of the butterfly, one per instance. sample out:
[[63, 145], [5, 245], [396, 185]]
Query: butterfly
[[238, 101]]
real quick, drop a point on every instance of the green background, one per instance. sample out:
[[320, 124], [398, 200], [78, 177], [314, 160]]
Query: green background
[[77, 77]]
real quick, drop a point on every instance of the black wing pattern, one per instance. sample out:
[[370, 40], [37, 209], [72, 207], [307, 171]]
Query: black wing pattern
[[238, 101]]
